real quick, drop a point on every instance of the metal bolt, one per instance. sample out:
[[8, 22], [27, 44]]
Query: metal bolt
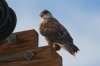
[[29, 55], [12, 38]]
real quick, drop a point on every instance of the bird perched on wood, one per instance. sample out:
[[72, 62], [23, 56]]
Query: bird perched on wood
[[56, 34]]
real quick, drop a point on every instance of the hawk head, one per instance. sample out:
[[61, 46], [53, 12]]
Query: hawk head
[[45, 14]]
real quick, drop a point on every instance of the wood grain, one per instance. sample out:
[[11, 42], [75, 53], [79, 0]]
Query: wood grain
[[26, 40], [13, 54], [45, 56]]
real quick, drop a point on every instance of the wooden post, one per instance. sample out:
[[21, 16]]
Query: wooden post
[[27, 53], [26, 40]]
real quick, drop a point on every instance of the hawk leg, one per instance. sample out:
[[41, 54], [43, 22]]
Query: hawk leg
[[55, 46], [50, 43]]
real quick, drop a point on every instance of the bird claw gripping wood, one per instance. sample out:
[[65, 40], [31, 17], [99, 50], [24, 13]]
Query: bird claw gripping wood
[[29, 55]]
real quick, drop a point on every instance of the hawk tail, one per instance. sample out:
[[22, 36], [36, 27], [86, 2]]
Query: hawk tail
[[72, 49]]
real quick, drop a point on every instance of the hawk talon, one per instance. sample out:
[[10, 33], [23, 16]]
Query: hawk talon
[[56, 47]]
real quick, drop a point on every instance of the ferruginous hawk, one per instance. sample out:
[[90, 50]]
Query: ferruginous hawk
[[56, 34]]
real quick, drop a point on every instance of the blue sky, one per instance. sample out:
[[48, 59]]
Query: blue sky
[[80, 17]]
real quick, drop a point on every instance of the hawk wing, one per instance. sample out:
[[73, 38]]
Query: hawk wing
[[54, 31]]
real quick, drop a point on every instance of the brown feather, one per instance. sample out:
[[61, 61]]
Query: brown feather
[[72, 49], [54, 32]]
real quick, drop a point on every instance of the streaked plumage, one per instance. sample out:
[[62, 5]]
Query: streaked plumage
[[56, 34]]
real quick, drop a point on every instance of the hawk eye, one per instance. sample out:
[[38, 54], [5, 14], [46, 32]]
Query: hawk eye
[[44, 13], [41, 15]]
